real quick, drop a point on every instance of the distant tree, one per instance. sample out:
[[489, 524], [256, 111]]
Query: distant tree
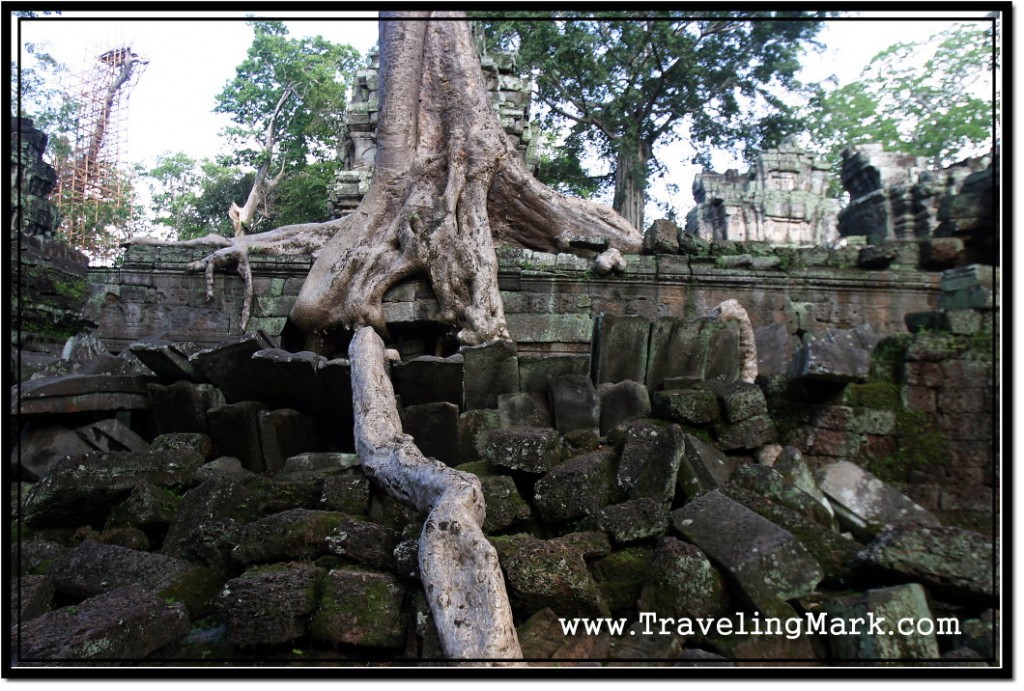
[[287, 101], [189, 196], [627, 82], [931, 98]]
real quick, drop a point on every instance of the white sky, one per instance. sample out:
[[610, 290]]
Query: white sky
[[192, 56]]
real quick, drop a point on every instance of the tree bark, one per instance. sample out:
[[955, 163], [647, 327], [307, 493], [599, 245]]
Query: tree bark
[[631, 183], [464, 584]]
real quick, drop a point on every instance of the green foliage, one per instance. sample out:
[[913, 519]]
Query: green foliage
[[192, 197], [623, 82], [930, 99]]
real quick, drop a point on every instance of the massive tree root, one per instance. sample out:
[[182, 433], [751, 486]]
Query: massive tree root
[[459, 568]]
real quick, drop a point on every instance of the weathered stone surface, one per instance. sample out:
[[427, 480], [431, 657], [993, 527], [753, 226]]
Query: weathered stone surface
[[31, 596], [285, 433], [877, 257], [889, 606], [835, 553], [93, 568], [650, 460], [316, 466], [168, 360], [292, 534], [632, 521], [42, 446], [529, 449], [123, 624], [489, 371], [224, 468], [360, 608], [739, 400], [576, 488], [82, 490], [182, 406], [767, 563], [949, 561], [534, 370], [435, 427], [696, 406], [622, 403], [505, 505], [429, 379], [681, 582], [838, 356], [292, 380], [864, 504], [620, 349], [474, 428], [80, 394], [235, 430], [148, 506], [184, 441], [748, 434], [698, 349], [662, 237], [941, 253], [702, 467], [270, 605], [791, 465], [348, 493], [229, 366], [772, 485], [548, 573], [34, 556], [620, 576], [574, 403], [364, 541], [523, 410]]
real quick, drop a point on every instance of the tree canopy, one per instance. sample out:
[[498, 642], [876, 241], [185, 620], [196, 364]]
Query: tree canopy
[[931, 98], [625, 82]]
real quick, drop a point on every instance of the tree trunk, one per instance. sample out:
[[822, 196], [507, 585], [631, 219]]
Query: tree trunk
[[631, 182]]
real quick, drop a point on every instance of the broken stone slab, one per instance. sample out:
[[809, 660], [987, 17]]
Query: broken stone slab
[[169, 361], [111, 435], [574, 403], [270, 605], [791, 465], [183, 406], [885, 607], [127, 623], [317, 465], [184, 441], [148, 506], [949, 561], [291, 380], [662, 237], [435, 428], [698, 349], [529, 449], [620, 349], [534, 370], [835, 553], [292, 534], [840, 356], [42, 445], [235, 430], [548, 573], [285, 433], [739, 400], [82, 490], [523, 410], [632, 521], [576, 488], [505, 505], [692, 406], [83, 346], [230, 368], [225, 468], [364, 542], [877, 257], [31, 597], [429, 379], [80, 394], [767, 563], [681, 582], [650, 460], [772, 485], [360, 608], [31, 556], [702, 467], [93, 568], [749, 434], [621, 404], [620, 575], [474, 428], [864, 504], [489, 370], [348, 493]]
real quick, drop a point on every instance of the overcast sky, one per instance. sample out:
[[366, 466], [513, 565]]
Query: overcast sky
[[192, 56]]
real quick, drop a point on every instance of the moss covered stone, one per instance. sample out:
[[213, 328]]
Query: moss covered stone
[[362, 608], [681, 582], [270, 605], [292, 534], [576, 488], [620, 576], [881, 395]]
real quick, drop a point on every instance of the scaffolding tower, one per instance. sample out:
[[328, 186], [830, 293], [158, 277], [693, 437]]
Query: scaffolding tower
[[93, 192]]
